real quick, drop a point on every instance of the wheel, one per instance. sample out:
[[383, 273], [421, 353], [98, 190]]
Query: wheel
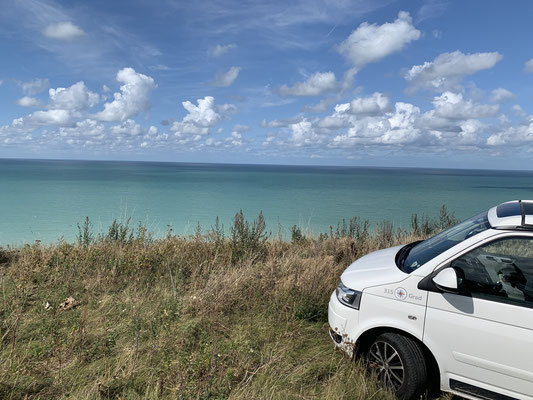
[[399, 365]]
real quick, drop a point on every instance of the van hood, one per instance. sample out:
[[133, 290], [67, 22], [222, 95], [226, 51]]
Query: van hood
[[377, 268]]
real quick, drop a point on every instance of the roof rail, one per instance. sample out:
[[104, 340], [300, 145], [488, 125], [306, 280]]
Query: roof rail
[[523, 215]]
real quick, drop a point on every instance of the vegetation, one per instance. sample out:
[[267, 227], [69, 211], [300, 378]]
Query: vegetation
[[204, 317]]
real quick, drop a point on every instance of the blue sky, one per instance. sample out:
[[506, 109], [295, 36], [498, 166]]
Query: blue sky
[[335, 82]]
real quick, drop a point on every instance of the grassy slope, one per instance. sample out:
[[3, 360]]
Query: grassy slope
[[204, 317]]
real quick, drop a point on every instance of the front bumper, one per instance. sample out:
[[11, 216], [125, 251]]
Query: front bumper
[[342, 320]]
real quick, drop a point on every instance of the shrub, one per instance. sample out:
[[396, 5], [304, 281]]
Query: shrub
[[296, 234], [248, 238]]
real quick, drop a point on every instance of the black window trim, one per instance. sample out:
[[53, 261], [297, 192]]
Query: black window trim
[[428, 285]]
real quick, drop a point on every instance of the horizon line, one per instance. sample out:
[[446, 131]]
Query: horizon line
[[258, 164]]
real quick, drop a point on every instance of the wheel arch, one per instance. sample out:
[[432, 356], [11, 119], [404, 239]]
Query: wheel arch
[[367, 338]]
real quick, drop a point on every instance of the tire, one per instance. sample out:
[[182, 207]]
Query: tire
[[399, 364]]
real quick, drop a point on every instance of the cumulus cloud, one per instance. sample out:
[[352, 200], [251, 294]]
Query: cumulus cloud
[[371, 42], [34, 86], [304, 134], [235, 139], [316, 84], [63, 31], [372, 105], [514, 135], [134, 96], [454, 122], [528, 66], [448, 69], [393, 128], [201, 117], [43, 118], [501, 95], [85, 128], [128, 127], [27, 101], [452, 106], [75, 97], [220, 50], [227, 78]]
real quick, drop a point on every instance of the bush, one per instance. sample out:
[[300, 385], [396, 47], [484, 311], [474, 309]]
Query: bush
[[248, 239], [296, 235]]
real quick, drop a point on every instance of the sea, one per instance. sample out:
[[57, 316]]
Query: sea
[[45, 200]]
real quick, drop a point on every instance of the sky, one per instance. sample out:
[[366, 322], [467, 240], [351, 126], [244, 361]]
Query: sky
[[419, 83]]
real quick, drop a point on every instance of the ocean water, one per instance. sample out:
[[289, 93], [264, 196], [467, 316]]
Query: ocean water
[[44, 200]]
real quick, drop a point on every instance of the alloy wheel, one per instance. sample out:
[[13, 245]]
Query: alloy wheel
[[385, 361]]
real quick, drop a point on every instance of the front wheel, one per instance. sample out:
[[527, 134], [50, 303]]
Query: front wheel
[[399, 365]]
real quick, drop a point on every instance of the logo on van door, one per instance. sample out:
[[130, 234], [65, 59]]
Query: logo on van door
[[400, 293]]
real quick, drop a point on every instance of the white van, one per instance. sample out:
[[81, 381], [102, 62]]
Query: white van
[[453, 312]]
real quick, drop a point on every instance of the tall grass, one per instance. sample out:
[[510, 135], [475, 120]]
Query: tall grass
[[205, 317]]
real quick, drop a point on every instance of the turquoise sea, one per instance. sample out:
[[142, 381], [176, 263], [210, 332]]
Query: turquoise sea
[[45, 199]]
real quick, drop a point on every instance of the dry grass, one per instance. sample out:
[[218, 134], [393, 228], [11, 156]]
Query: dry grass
[[207, 317]]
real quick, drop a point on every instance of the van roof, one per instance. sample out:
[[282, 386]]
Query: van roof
[[516, 214]]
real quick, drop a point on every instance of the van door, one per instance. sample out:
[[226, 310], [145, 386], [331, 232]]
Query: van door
[[483, 336]]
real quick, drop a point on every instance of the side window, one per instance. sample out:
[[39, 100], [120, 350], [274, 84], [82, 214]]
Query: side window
[[499, 271]]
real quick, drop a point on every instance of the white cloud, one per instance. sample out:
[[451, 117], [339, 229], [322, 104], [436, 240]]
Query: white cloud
[[27, 101], [317, 84], [372, 105], [133, 99], [212, 142], [452, 106], [515, 136], [227, 78], [280, 123], [220, 50], [235, 139], [528, 66], [128, 127], [304, 134], [203, 114], [269, 139], [63, 31], [393, 128], [448, 69], [370, 42], [43, 118], [453, 123], [34, 86], [500, 95], [75, 97], [202, 117], [85, 128]]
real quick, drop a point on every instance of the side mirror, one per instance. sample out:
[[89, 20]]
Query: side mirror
[[447, 280]]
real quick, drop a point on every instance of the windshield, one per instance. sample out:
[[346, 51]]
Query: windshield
[[414, 255]]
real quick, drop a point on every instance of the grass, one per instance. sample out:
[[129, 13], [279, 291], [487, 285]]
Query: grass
[[204, 317]]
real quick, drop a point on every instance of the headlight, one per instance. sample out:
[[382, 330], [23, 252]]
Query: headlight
[[348, 297]]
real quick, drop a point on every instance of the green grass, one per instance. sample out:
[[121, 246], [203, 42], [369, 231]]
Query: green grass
[[204, 317]]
